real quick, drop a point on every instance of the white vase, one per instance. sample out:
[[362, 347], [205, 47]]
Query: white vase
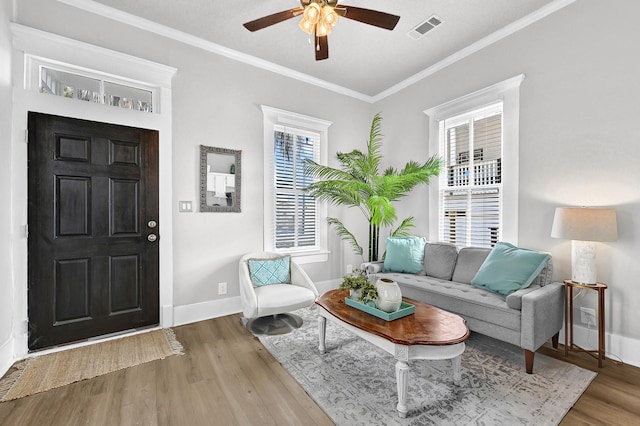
[[355, 293], [389, 295]]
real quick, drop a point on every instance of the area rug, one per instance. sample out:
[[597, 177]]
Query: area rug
[[354, 381], [53, 370]]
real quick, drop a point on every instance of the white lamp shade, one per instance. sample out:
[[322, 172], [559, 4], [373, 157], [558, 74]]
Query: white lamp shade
[[585, 224]]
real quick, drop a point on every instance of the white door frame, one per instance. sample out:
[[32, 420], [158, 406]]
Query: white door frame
[[29, 41]]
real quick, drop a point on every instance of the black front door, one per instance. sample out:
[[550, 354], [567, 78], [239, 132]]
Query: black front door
[[93, 216]]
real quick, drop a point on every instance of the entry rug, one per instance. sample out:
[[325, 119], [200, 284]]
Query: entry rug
[[354, 381], [44, 372]]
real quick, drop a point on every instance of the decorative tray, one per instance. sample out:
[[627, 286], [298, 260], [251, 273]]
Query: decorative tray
[[404, 309]]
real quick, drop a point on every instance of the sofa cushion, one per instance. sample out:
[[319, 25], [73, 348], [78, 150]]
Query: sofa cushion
[[404, 254], [440, 259], [468, 263], [509, 268], [270, 271], [463, 299]]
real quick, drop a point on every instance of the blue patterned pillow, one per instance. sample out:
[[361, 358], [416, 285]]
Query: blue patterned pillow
[[270, 271]]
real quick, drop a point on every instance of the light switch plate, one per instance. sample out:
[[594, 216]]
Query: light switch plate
[[186, 206]]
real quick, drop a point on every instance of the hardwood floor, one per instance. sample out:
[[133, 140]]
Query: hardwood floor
[[613, 398], [228, 378]]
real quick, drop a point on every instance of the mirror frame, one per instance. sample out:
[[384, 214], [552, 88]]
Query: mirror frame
[[204, 207]]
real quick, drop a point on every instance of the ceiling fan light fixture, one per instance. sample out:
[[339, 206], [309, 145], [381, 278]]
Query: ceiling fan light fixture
[[329, 16], [323, 29], [306, 26], [312, 13]]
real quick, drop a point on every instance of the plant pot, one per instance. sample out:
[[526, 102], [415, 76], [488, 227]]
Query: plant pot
[[389, 295]]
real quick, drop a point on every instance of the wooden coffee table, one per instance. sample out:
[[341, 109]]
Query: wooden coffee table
[[429, 333]]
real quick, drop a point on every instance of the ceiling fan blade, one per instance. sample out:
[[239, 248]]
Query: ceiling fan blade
[[322, 48], [371, 17], [267, 21]]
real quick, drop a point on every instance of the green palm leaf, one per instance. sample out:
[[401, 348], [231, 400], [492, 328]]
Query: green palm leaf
[[403, 229], [345, 235]]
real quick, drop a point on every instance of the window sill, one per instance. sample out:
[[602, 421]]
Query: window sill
[[303, 257]]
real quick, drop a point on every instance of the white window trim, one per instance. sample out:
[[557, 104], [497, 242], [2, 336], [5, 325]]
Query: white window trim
[[271, 117], [507, 91]]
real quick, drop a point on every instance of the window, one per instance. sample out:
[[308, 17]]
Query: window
[[294, 222], [68, 81], [295, 211], [475, 201], [470, 185]]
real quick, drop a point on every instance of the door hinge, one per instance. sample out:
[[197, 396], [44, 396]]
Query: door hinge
[[26, 231], [26, 135]]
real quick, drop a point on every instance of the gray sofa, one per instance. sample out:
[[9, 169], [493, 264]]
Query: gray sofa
[[527, 317]]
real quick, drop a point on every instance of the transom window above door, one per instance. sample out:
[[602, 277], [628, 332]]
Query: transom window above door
[[54, 78]]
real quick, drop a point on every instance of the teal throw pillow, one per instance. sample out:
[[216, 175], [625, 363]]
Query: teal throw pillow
[[508, 268], [270, 271], [404, 254]]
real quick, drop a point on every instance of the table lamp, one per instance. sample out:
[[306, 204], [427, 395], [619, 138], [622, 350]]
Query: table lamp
[[584, 226]]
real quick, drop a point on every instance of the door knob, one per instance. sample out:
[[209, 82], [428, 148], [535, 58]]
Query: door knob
[[152, 237]]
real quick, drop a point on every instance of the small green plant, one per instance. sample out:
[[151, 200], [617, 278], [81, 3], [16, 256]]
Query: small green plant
[[360, 285]]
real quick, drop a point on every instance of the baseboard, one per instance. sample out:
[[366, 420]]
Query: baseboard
[[6, 356], [617, 347], [323, 286], [202, 311]]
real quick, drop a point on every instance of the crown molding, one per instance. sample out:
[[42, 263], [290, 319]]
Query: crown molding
[[162, 30]]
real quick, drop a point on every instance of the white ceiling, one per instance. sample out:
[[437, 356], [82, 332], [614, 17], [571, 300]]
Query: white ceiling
[[362, 58]]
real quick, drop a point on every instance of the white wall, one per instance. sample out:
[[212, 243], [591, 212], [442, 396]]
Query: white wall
[[579, 135], [6, 287]]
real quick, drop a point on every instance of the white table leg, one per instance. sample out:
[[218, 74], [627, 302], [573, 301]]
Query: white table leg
[[455, 364], [322, 330], [402, 380]]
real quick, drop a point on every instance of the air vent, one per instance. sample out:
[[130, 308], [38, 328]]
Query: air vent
[[424, 27]]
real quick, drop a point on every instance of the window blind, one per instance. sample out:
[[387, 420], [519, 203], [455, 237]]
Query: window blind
[[471, 187], [295, 214]]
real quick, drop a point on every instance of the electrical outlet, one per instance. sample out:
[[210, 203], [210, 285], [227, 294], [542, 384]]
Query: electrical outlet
[[222, 288], [587, 315], [349, 269]]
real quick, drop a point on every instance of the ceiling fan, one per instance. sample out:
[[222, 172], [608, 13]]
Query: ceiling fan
[[320, 16]]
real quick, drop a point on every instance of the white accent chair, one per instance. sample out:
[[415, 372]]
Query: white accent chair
[[274, 299]]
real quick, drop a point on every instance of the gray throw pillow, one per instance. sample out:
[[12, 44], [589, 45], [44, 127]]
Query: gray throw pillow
[[440, 259], [470, 259]]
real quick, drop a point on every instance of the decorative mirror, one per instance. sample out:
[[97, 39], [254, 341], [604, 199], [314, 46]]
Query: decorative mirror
[[219, 179]]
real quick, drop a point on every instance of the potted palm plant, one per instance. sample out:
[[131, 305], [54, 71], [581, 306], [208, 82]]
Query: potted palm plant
[[359, 183]]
